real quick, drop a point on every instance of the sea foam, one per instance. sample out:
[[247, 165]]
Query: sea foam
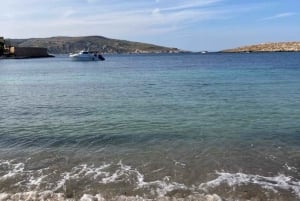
[[280, 182], [36, 184]]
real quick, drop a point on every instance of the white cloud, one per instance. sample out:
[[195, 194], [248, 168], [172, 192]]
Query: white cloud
[[69, 13], [156, 11], [191, 5], [123, 19], [91, 1], [280, 15]]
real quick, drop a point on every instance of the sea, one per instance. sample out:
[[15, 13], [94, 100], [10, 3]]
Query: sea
[[215, 126]]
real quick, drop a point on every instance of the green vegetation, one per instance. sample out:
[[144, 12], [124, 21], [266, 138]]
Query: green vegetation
[[65, 45]]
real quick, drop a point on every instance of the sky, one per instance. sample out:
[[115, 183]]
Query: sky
[[194, 25]]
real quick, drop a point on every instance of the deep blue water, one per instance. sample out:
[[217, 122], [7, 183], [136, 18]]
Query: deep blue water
[[152, 125]]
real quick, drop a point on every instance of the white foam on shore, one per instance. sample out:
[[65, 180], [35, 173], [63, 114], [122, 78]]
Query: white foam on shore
[[83, 171], [48, 195], [123, 173], [13, 169], [280, 182], [290, 168], [18, 176]]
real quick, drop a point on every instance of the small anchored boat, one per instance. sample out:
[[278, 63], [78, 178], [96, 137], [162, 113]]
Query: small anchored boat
[[87, 56]]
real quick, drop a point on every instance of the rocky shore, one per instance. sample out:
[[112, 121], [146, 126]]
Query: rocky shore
[[268, 47]]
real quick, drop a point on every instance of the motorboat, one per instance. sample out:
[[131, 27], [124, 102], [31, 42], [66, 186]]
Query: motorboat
[[85, 55]]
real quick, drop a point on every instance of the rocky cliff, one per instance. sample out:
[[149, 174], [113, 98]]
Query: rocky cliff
[[268, 47], [65, 45]]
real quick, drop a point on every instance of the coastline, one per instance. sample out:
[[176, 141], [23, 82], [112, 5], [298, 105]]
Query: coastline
[[266, 47]]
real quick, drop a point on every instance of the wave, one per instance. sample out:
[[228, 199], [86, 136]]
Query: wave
[[48, 183], [280, 182], [48, 195]]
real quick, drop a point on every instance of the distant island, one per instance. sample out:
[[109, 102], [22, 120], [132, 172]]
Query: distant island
[[65, 45], [268, 47]]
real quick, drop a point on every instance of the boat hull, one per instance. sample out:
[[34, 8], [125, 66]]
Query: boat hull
[[76, 58], [87, 56]]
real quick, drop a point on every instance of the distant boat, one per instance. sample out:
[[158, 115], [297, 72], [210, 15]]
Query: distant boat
[[84, 55]]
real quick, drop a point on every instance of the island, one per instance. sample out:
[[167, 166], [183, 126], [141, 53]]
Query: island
[[268, 47], [66, 45]]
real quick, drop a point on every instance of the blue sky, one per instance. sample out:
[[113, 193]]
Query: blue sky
[[186, 24]]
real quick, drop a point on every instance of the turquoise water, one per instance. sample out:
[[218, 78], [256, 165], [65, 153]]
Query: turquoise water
[[152, 126]]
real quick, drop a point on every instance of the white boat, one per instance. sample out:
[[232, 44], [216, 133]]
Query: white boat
[[84, 55]]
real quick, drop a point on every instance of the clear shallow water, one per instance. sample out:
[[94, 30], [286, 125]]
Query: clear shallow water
[[152, 126]]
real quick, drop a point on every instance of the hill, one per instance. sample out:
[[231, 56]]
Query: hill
[[268, 47], [65, 45]]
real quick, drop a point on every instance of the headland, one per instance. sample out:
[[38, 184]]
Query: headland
[[268, 47], [66, 45]]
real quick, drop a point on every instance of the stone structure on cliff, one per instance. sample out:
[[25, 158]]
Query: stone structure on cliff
[[1, 46], [8, 51], [28, 52]]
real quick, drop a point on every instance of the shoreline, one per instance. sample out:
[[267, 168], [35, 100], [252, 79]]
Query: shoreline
[[25, 57]]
